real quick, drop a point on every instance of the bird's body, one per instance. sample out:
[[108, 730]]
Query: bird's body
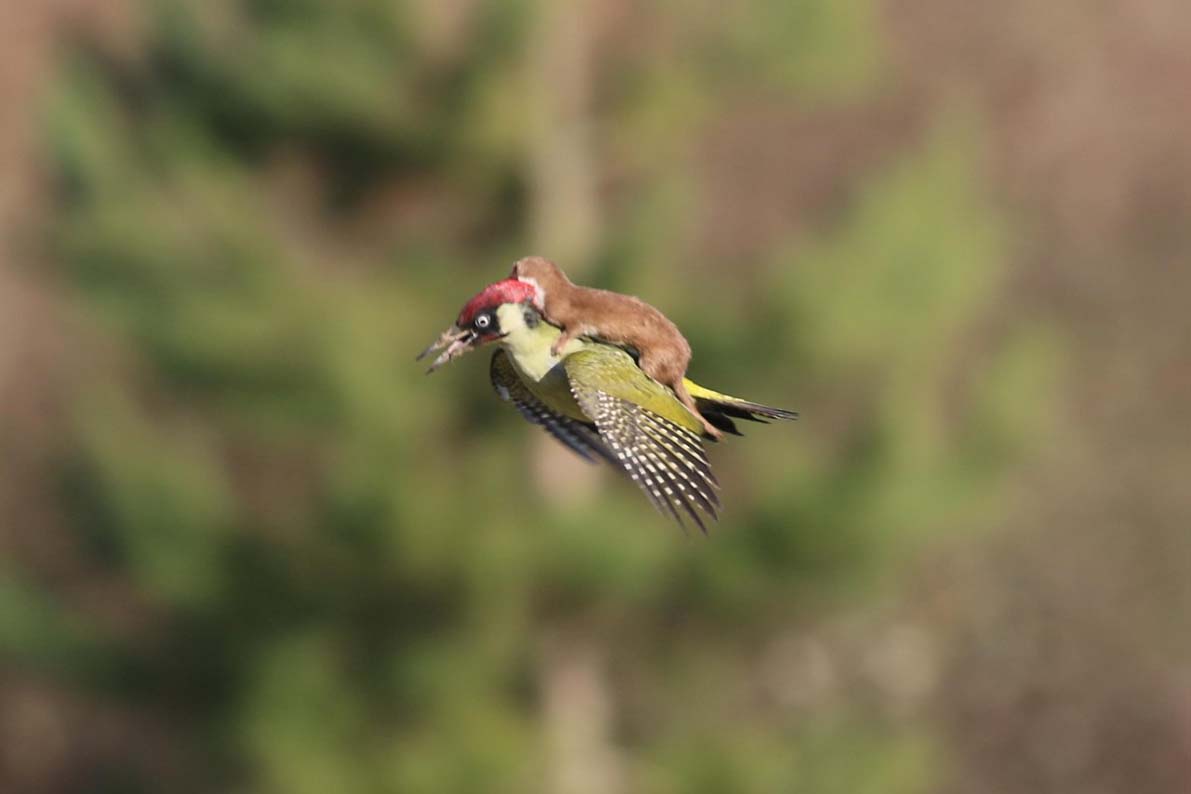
[[663, 352], [595, 398], [531, 349]]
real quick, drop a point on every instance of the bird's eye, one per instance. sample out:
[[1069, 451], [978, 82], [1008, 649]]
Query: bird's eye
[[483, 321]]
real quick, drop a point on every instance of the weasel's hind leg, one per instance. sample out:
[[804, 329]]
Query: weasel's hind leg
[[685, 398], [669, 370]]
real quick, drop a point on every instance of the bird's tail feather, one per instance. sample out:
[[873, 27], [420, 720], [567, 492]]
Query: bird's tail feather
[[720, 409]]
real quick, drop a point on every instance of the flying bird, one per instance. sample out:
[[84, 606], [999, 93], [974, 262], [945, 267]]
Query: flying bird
[[595, 398]]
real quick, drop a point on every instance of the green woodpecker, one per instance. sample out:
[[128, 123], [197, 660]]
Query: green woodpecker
[[594, 398]]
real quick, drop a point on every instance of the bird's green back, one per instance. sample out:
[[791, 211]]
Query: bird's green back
[[584, 366]]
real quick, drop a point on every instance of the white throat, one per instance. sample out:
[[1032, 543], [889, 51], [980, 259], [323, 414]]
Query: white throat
[[530, 347]]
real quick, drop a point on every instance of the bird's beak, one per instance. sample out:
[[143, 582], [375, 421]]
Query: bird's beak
[[456, 340]]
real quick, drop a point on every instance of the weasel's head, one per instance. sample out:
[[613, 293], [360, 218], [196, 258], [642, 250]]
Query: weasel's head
[[541, 274]]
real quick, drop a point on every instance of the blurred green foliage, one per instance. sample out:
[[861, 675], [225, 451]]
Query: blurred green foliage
[[350, 563]]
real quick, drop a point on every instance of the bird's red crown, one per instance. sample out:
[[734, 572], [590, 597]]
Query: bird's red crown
[[508, 291]]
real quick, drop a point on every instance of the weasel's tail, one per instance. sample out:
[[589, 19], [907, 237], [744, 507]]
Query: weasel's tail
[[720, 409]]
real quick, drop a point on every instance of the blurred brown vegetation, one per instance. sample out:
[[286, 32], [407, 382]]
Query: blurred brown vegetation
[[954, 235]]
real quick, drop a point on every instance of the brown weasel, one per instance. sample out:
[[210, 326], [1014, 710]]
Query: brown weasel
[[663, 351]]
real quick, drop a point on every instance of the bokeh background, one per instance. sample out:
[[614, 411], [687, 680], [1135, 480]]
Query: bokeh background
[[245, 546]]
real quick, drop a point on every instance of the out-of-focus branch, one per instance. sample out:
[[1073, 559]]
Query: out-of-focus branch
[[564, 219], [564, 216], [577, 715]]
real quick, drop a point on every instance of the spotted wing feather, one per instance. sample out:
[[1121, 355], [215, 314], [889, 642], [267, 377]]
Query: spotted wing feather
[[666, 461], [580, 438]]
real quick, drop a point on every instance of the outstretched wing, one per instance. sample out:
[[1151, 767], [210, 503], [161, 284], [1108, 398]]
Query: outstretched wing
[[666, 460], [580, 438]]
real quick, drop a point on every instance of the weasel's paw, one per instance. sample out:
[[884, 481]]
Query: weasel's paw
[[711, 430]]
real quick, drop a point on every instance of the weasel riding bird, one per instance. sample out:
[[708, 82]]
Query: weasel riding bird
[[663, 352], [595, 398]]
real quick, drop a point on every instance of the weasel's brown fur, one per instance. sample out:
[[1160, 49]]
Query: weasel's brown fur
[[616, 318]]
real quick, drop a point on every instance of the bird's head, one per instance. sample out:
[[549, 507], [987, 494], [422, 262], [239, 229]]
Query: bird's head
[[480, 321]]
